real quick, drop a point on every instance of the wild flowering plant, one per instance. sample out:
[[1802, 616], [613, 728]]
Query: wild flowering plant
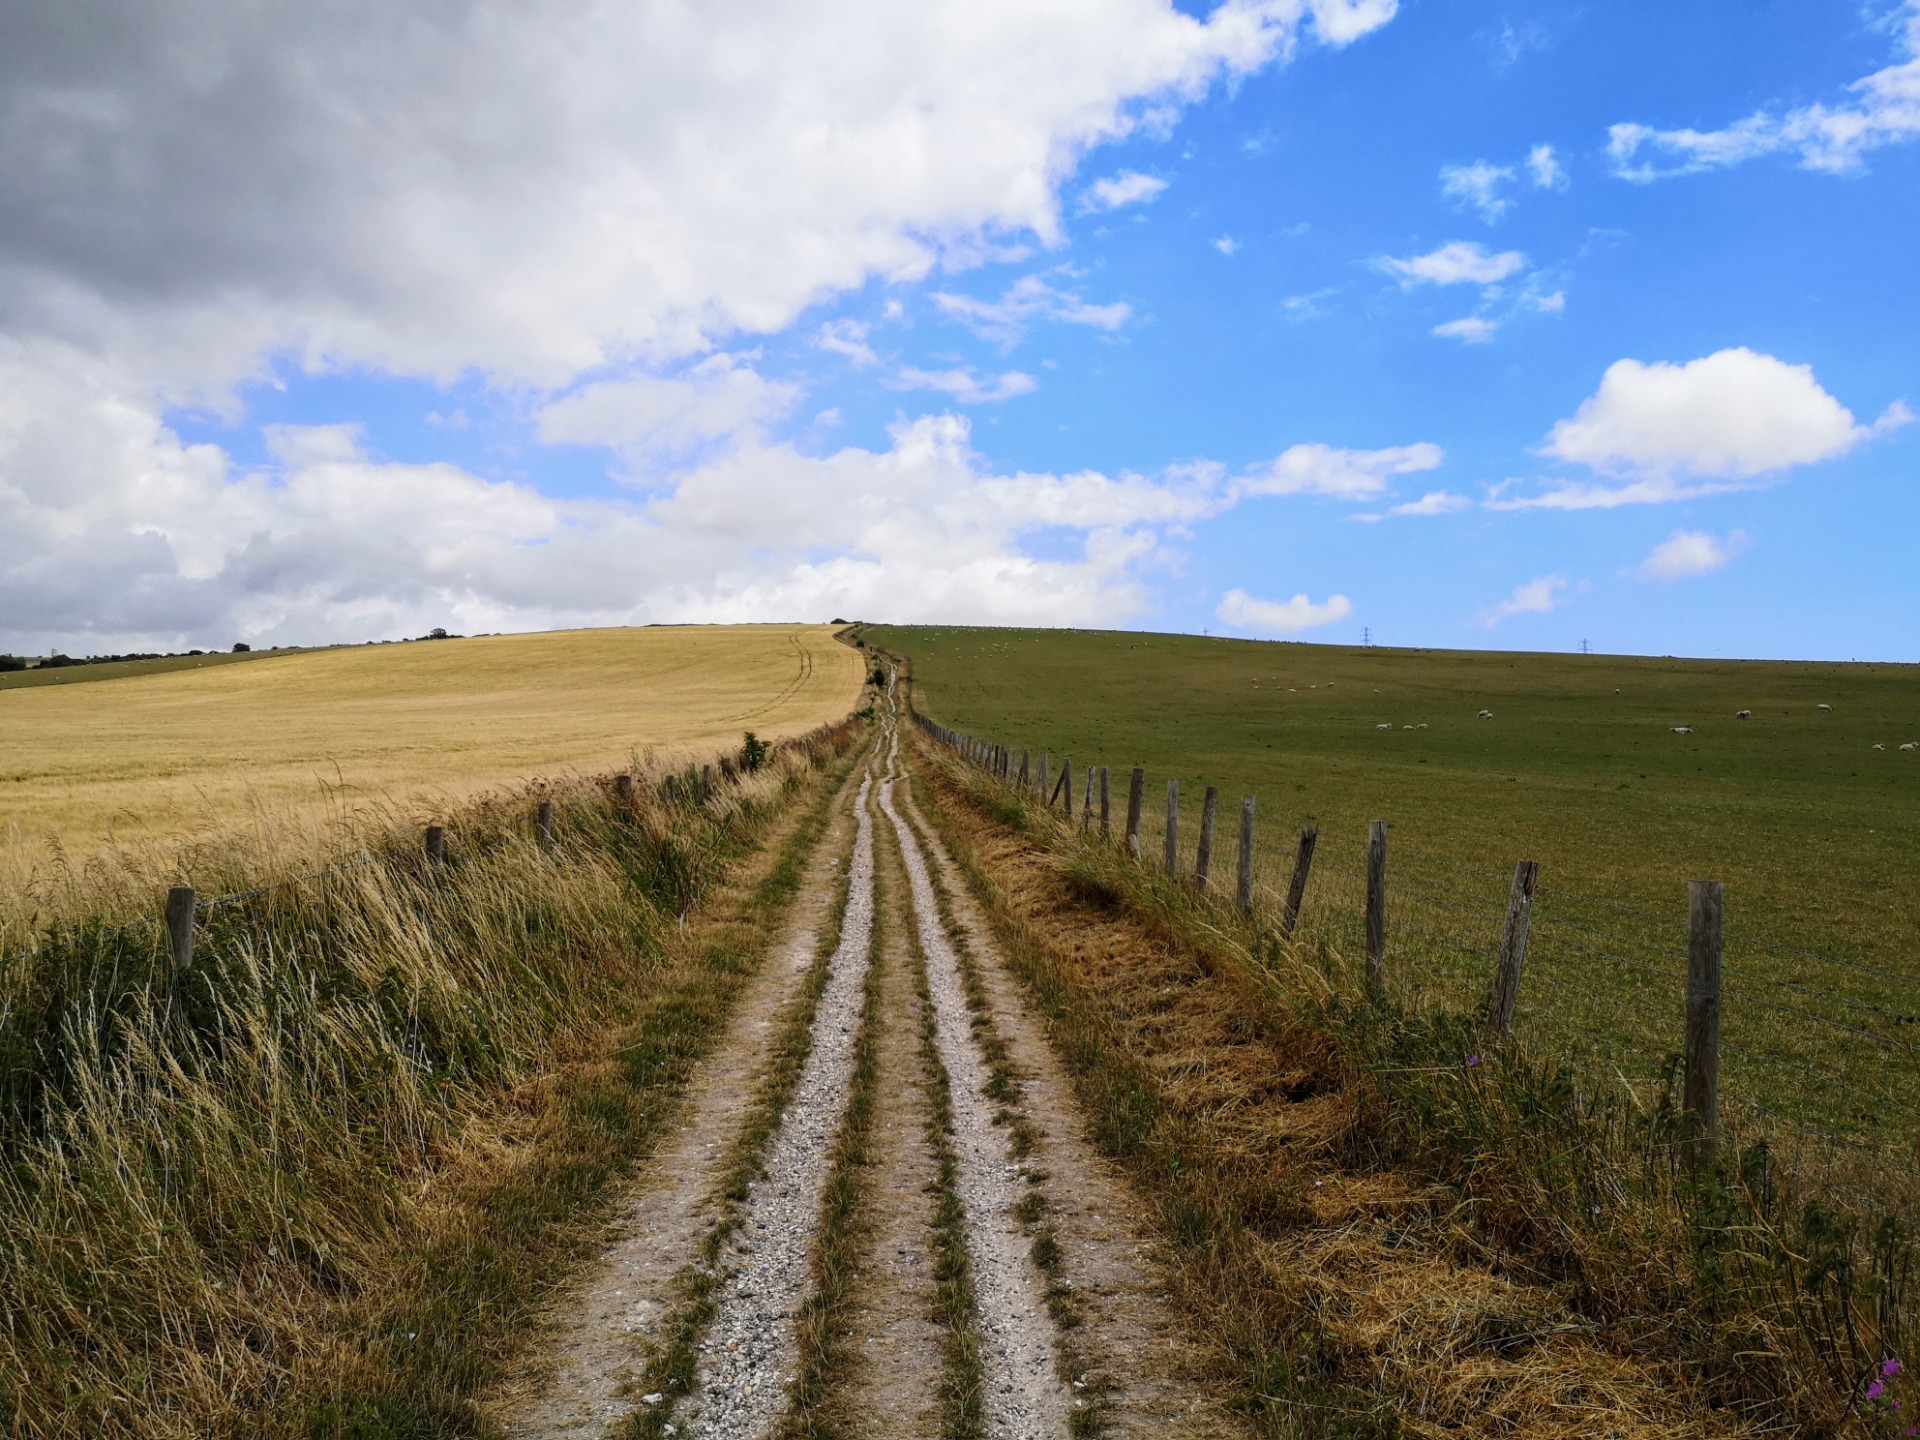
[[1880, 1406]]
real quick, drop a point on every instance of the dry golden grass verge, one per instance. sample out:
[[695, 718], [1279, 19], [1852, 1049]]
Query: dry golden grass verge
[[320, 1184], [1369, 1256]]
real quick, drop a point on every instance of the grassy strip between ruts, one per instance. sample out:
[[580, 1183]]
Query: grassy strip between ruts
[[475, 1287], [1089, 1416], [672, 1368], [824, 1356], [1580, 1255]]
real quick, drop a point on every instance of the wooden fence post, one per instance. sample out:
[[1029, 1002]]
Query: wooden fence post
[[1136, 793], [706, 784], [1243, 890], [1040, 779], [1203, 857], [1106, 825], [1022, 783], [1086, 801], [1064, 789], [1505, 994], [543, 824], [623, 791], [436, 845], [180, 926], [1377, 910], [1701, 1098], [1297, 887], [1173, 827]]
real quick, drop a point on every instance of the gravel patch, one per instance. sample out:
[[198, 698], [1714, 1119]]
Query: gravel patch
[[1025, 1399], [747, 1359]]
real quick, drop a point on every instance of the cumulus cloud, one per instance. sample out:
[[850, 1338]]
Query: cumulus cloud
[[1536, 597], [848, 338], [1884, 110], [1544, 169], [1227, 245], [1727, 421], [1461, 262], [572, 203], [1477, 186], [1687, 553], [1473, 329], [1129, 187], [1030, 298], [1280, 617], [1342, 474], [964, 385], [1434, 502]]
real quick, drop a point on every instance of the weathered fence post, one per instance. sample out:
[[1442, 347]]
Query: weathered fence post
[[180, 926], [1173, 827], [1022, 783], [1505, 994], [1136, 793], [1064, 790], [623, 791], [436, 845], [1203, 857], [543, 824], [1701, 1097], [1086, 801], [1243, 890], [1040, 778], [1297, 887], [706, 783], [1106, 825], [1377, 910]]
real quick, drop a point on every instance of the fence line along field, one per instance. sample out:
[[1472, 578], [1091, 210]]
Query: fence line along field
[[151, 758], [1814, 832]]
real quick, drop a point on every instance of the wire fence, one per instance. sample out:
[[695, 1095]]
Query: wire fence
[[1820, 1051]]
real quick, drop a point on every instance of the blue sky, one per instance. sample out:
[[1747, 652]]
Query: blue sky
[[1097, 313]]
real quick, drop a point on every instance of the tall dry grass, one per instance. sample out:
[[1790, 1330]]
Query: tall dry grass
[[207, 1179]]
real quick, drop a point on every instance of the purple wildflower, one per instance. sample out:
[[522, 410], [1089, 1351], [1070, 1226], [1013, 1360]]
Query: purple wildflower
[[1473, 1060], [1874, 1390], [1890, 1367]]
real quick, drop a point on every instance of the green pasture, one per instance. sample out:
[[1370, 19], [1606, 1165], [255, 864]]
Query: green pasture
[[1813, 830]]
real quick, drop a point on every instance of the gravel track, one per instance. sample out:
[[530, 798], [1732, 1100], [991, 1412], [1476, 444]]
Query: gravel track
[[1025, 1399], [747, 1357]]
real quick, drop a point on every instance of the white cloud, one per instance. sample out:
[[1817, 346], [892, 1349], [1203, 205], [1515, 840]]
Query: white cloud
[[1129, 187], [1276, 617], [1545, 170], [1552, 304], [1722, 422], [718, 401], [1885, 110], [1536, 597], [1028, 299], [1477, 185], [1226, 245], [1474, 329], [1687, 553], [1343, 474], [572, 204], [1462, 262], [1434, 502], [848, 338], [964, 385]]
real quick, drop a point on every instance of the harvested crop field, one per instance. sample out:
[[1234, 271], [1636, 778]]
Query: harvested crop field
[[154, 757]]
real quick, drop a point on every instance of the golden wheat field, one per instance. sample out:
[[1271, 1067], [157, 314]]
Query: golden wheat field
[[150, 759]]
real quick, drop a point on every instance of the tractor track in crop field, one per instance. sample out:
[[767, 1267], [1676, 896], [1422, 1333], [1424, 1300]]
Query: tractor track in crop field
[[880, 1212]]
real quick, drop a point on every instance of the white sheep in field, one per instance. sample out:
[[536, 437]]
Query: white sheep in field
[[1683, 729], [1743, 714], [1485, 715], [1824, 706], [1384, 725], [1911, 745], [1879, 747]]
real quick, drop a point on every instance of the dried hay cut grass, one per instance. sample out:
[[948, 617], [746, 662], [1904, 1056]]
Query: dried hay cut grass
[[1412, 1314]]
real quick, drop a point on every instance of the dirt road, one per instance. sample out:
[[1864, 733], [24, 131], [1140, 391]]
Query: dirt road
[[879, 1213]]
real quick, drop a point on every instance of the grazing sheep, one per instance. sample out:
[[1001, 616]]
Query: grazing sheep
[[1824, 706], [1421, 726], [1743, 714], [1879, 747], [1485, 715], [1385, 725], [1683, 729], [1911, 745]]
